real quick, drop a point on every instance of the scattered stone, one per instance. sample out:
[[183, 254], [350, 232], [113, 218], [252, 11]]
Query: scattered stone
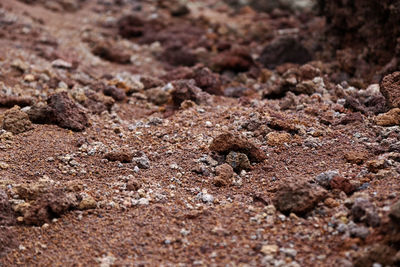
[[65, 113], [236, 59], [208, 81], [356, 157], [364, 211], [157, 95], [227, 142], [224, 175], [118, 94], [141, 160], [150, 82], [324, 179], [390, 118], [176, 55], [284, 50], [133, 185], [121, 155], [130, 26], [207, 198], [111, 52], [289, 252], [238, 161], [8, 240], [375, 165], [390, 89], [269, 249], [342, 184], [299, 198], [16, 121], [87, 202], [278, 138], [11, 101], [186, 90]]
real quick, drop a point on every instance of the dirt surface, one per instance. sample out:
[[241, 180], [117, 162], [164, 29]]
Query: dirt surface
[[198, 133]]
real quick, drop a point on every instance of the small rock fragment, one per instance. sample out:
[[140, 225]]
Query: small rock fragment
[[224, 175], [364, 211], [342, 184], [278, 138], [16, 121], [390, 118], [7, 216], [141, 160], [298, 198], [390, 89], [87, 202], [324, 179], [238, 161], [121, 155], [356, 157]]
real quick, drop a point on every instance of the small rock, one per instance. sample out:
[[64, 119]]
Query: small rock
[[284, 50], [121, 155], [16, 121], [141, 160], [395, 212], [375, 165], [88, 202], [111, 52], [390, 89], [359, 231], [298, 198], [324, 179], [118, 94], [289, 252], [7, 216], [207, 198], [364, 211], [342, 184], [224, 175], [227, 142], [269, 249], [278, 138], [356, 157], [208, 81], [187, 90], [238, 161], [390, 118]]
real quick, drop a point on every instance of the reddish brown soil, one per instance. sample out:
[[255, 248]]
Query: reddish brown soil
[[130, 111]]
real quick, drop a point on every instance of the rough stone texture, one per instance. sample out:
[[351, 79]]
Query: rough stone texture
[[111, 52], [49, 206], [65, 113], [284, 50], [390, 88], [277, 138], [364, 211], [226, 142], [299, 198], [130, 26], [116, 93], [356, 157], [390, 118], [8, 240], [16, 121], [238, 161], [187, 90], [208, 81], [7, 216], [237, 59], [224, 174], [121, 155], [395, 212], [342, 184]]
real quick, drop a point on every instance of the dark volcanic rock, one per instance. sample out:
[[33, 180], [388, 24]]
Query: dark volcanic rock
[[236, 59], [284, 50], [208, 81], [364, 211], [186, 90], [390, 88], [298, 198]]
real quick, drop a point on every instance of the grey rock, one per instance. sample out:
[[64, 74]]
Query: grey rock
[[364, 211], [323, 179], [141, 160]]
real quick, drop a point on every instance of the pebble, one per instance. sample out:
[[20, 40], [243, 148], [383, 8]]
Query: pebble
[[323, 179], [269, 249], [141, 161], [289, 252]]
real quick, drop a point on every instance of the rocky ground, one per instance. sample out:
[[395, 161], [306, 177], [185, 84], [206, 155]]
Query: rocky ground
[[199, 133]]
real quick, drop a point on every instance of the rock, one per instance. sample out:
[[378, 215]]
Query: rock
[[289, 252], [208, 81], [284, 50], [16, 121], [111, 52], [278, 138], [235, 91], [224, 175], [121, 155], [356, 157], [150, 82], [176, 55], [157, 96], [7, 216], [364, 211], [395, 212], [97, 102], [299, 198], [8, 240], [141, 160], [87, 202], [390, 118], [227, 142], [65, 113], [342, 184], [238, 161], [324, 179], [375, 165], [390, 89], [207, 198], [133, 185], [116, 93], [186, 90], [236, 59], [49, 206], [269, 249]]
